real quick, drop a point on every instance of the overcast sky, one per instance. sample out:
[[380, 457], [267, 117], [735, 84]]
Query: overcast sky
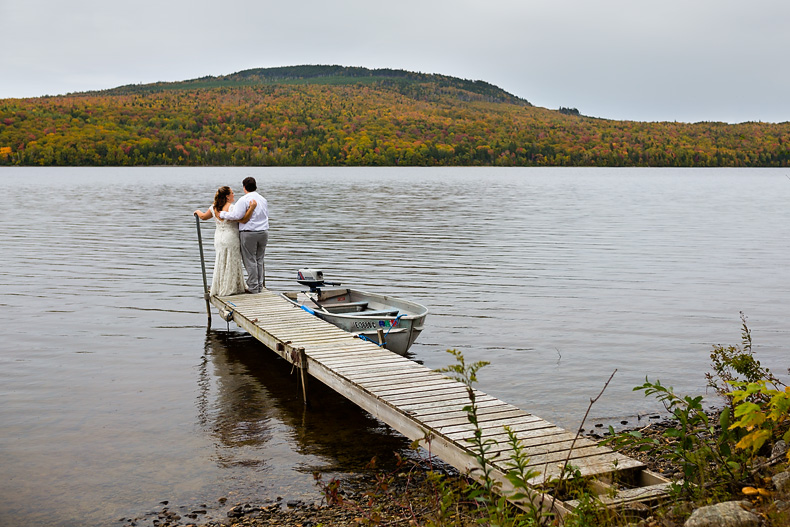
[[643, 60]]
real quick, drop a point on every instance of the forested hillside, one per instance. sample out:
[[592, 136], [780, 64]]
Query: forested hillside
[[331, 115]]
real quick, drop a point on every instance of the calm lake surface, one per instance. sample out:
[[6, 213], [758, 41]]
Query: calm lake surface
[[115, 397]]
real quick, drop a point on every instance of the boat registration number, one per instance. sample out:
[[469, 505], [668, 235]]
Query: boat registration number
[[374, 325]]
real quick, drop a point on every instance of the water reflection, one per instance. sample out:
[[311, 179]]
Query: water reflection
[[250, 397]]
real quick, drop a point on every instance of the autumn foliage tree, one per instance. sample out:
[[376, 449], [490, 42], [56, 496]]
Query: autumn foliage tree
[[334, 116]]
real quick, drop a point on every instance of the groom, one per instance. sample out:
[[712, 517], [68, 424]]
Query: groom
[[253, 235]]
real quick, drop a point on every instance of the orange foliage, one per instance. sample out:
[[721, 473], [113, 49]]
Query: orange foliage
[[356, 124]]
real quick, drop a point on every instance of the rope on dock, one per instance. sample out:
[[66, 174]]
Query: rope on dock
[[383, 339]]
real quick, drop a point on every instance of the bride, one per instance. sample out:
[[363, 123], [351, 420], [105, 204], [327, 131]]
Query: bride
[[228, 276]]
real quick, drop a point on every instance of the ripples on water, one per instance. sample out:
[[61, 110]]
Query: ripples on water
[[114, 397]]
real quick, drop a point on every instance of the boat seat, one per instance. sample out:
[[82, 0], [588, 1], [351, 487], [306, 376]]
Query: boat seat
[[381, 313], [346, 307]]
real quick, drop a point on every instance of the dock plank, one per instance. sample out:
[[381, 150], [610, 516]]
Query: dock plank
[[425, 395], [396, 379]]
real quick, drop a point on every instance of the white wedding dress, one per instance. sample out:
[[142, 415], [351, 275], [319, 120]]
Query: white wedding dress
[[228, 276]]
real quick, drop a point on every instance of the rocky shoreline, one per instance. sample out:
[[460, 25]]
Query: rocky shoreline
[[408, 498], [366, 499]]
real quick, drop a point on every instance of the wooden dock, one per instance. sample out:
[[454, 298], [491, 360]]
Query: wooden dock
[[421, 403]]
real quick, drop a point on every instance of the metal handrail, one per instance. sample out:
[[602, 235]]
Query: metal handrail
[[206, 294]]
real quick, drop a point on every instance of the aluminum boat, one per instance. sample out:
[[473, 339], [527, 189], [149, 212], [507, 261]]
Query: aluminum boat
[[387, 321]]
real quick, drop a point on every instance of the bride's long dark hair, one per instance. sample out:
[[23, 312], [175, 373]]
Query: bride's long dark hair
[[221, 198]]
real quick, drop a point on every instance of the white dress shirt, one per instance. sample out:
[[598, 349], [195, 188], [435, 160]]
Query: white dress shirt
[[260, 216]]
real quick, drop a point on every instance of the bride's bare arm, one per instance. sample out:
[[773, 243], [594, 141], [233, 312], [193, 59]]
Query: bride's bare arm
[[204, 215], [248, 214]]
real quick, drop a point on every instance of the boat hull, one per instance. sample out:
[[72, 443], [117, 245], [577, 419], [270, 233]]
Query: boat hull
[[370, 316]]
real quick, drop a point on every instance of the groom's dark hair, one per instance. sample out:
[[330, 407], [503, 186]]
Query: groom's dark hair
[[249, 184]]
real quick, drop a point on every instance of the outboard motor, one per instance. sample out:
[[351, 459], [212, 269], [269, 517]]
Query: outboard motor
[[313, 278]]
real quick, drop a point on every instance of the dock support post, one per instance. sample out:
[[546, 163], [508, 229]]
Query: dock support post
[[303, 373], [299, 359], [203, 266]]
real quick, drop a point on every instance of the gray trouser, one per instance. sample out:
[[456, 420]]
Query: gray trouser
[[253, 248]]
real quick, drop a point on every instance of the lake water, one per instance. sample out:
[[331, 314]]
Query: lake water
[[114, 396]]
